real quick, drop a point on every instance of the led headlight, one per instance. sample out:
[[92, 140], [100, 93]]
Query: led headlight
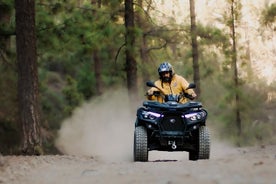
[[150, 115], [195, 116]]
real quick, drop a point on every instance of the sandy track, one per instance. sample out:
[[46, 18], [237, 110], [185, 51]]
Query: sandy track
[[98, 143], [227, 165]]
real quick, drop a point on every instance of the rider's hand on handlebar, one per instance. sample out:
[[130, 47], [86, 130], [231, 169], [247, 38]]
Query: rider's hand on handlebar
[[190, 96], [153, 93], [150, 92], [193, 96]]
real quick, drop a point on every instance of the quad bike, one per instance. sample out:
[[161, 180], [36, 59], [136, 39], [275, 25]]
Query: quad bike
[[171, 126]]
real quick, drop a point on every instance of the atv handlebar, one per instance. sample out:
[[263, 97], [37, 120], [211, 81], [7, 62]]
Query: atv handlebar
[[186, 95], [171, 97], [151, 84]]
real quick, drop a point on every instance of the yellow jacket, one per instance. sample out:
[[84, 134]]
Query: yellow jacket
[[178, 85]]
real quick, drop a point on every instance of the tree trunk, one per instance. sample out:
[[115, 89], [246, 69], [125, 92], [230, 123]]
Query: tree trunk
[[131, 66], [235, 68], [143, 48], [97, 2], [5, 16], [194, 47], [145, 61], [27, 77], [96, 59], [98, 71]]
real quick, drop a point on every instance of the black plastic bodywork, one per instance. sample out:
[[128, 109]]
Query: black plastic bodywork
[[171, 126]]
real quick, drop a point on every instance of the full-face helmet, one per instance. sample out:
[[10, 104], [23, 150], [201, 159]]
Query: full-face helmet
[[165, 67]]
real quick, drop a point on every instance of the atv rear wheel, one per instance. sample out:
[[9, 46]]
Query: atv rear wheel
[[203, 145], [140, 144]]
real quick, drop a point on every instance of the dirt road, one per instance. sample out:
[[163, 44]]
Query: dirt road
[[227, 165], [98, 141]]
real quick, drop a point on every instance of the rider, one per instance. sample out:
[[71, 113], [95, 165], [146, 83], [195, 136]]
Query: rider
[[169, 83]]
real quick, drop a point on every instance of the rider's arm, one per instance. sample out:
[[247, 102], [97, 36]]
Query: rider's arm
[[150, 93], [185, 84]]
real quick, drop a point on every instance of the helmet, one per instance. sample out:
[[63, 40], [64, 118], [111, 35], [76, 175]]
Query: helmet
[[165, 67]]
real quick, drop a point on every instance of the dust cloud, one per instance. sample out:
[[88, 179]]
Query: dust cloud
[[101, 128]]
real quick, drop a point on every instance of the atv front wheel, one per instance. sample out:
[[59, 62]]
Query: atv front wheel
[[140, 144], [203, 145]]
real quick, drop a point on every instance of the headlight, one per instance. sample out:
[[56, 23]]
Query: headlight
[[150, 115], [196, 116]]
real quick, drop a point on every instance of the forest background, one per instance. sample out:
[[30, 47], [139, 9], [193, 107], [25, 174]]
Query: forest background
[[86, 49]]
